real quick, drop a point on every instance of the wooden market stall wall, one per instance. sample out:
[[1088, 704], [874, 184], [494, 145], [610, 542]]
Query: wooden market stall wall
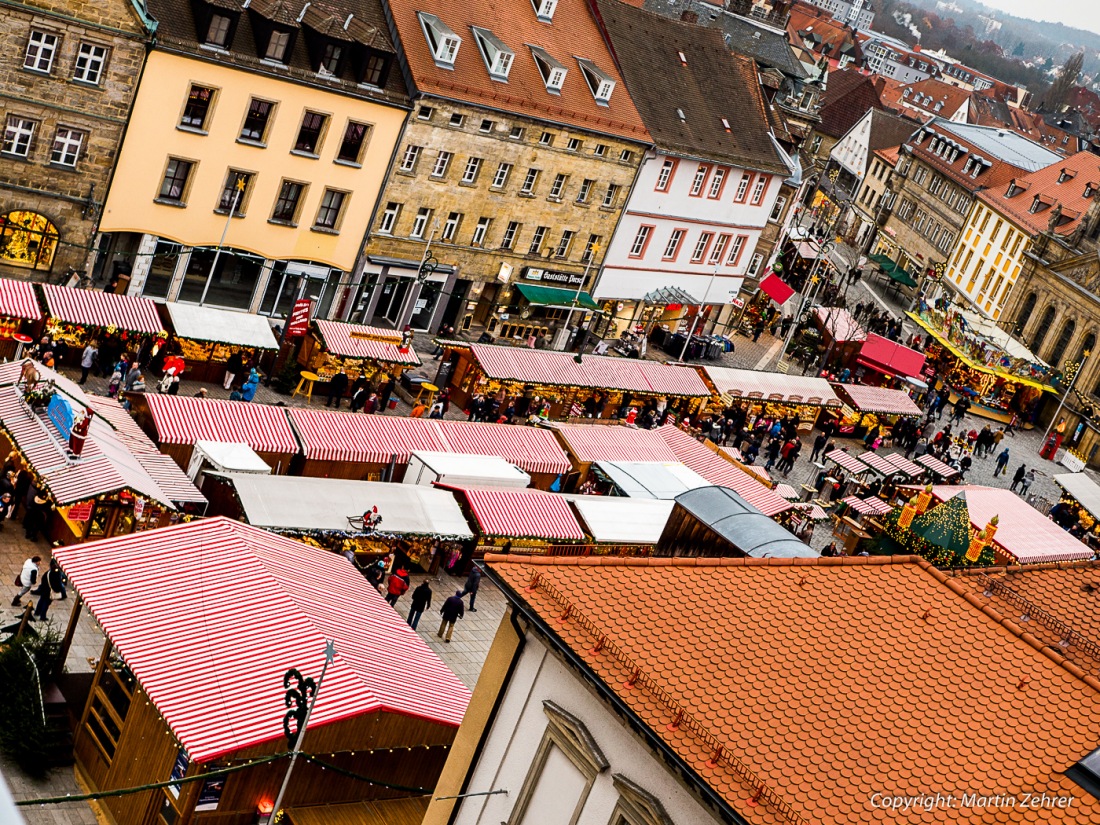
[[373, 352]]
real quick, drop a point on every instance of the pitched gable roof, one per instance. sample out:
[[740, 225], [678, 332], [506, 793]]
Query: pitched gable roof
[[1063, 183], [847, 97], [928, 94]]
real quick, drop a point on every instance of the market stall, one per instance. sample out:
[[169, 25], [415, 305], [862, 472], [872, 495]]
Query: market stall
[[372, 447], [886, 360], [841, 334], [616, 523], [19, 314], [773, 394], [96, 479], [117, 323], [528, 521], [936, 467], [566, 383], [868, 407], [176, 423], [207, 338], [1080, 488], [662, 480], [376, 353], [903, 465], [422, 526], [976, 359]]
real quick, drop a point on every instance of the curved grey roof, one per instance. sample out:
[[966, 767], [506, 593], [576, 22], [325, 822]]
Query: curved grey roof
[[741, 524]]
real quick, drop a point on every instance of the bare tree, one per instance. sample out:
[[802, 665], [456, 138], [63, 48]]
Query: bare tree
[[1056, 96]]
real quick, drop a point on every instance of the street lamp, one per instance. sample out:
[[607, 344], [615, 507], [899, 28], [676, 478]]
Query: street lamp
[[593, 249]]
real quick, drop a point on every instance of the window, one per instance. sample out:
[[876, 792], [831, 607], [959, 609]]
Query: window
[[754, 265], [574, 144], [67, 144], [501, 176], [497, 56], [626, 156], [420, 223], [781, 201], [529, 182], [486, 126], [590, 248], [256, 120], [701, 247], [351, 147], [90, 60], [699, 180], [742, 189], [425, 113], [564, 244], [546, 139], [610, 195], [735, 250], [458, 120], [585, 190], [41, 49], [600, 151], [332, 203], [719, 249], [557, 186], [673, 247], [376, 70], [442, 161], [517, 133], [286, 205], [717, 182], [410, 158], [389, 218], [217, 33], [664, 177], [599, 82], [450, 227], [553, 73], [537, 240], [18, 136], [641, 241], [197, 108], [510, 232], [277, 45], [310, 132], [176, 176], [443, 42], [544, 9], [759, 190], [480, 231], [473, 168], [234, 192], [330, 59], [815, 145]]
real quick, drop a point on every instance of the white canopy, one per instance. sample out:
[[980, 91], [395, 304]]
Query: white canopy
[[297, 503], [652, 479], [999, 338], [615, 520], [463, 470], [222, 326], [1082, 488], [231, 456]]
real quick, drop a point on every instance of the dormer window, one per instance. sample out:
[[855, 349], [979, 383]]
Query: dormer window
[[1036, 205], [278, 45], [544, 9], [443, 42], [373, 67], [331, 54], [1090, 189], [217, 32], [1066, 174], [553, 73], [599, 83], [498, 57], [1012, 189]]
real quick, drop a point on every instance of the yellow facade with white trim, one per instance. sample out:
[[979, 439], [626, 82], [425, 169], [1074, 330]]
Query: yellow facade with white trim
[[987, 259]]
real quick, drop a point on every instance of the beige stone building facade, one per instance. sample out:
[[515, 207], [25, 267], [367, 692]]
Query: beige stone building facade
[[68, 74]]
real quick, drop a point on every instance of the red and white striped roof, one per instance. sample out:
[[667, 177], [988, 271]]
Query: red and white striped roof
[[522, 514], [772, 386], [936, 466], [786, 491], [95, 308], [376, 439], [868, 506], [523, 365], [847, 461], [904, 465], [370, 343], [209, 616], [608, 442], [184, 420], [840, 324], [877, 463], [17, 300], [878, 400]]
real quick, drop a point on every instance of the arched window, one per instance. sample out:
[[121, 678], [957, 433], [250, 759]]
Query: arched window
[[27, 239], [1068, 328], [1041, 331], [1024, 315], [1088, 344]]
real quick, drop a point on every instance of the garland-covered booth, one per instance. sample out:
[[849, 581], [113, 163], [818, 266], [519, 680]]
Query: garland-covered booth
[[117, 323], [206, 339]]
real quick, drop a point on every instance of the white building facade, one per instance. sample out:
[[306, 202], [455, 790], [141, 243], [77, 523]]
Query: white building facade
[[856, 13]]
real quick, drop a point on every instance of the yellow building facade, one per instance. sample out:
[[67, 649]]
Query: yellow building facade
[[303, 165], [986, 259]]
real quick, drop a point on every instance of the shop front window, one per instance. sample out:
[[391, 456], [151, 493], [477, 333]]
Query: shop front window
[[425, 304], [233, 281], [285, 287], [161, 267], [27, 239]]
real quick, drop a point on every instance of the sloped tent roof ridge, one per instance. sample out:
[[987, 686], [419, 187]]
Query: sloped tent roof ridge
[[273, 603], [742, 525], [221, 326]]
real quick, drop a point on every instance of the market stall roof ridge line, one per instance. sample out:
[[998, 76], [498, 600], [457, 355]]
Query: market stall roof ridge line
[[847, 461], [755, 385], [878, 400], [18, 300], [183, 420], [889, 357], [95, 308], [220, 326], [371, 343], [274, 602], [520, 514]]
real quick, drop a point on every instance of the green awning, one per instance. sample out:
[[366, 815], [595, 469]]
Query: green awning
[[892, 270], [555, 297]]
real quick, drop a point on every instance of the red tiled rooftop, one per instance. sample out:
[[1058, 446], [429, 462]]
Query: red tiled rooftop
[[1062, 182]]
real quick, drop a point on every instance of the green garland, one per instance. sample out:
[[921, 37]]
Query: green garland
[[942, 558]]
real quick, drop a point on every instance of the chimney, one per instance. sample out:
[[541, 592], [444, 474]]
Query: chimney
[[689, 16]]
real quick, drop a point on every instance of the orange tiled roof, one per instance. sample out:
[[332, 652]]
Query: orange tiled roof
[[572, 34], [889, 155], [925, 94], [813, 684], [1075, 173]]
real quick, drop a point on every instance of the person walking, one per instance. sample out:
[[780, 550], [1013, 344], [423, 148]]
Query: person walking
[[51, 582], [473, 581], [1002, 462], [87, 361], [132, 375], [819, 446], [397, 585], [452, 610], [233, 367], [1028, 480], [26, 579], [337, 387], [1018, 478], [421, 601]]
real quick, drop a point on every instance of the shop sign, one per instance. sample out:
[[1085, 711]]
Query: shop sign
[[210, 794], [81, 512], [298, 322], [505, 273], [550, 276], [61, 414], [139, 508], [737, 302]]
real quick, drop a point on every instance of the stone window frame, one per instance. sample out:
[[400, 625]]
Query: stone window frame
[[636, 806], [571, 736]]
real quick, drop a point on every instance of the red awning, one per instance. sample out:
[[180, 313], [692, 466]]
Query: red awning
[[182, 420], [17, 300], [95, 308], [889, 357], [598, 442], [369, 343], [776, 288], [878, 400], [274, 603], [522, 514], [904, 465]]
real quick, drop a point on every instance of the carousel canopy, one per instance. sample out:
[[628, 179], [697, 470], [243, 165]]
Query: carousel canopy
[[879, 400], [17, 300], [540, 367], [182, 420], [1082, 488], [326, 505], [752, 385], [521, 514], [614, 519], [210, 614], [670, 295], [651, 479], [221, 326], [368, 343], [95, 308]]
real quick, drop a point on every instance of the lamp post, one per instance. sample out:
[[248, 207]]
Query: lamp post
[[699, 314], [427, 266], [815, 282], [1062, 402], [593, 249], [239, 187]]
